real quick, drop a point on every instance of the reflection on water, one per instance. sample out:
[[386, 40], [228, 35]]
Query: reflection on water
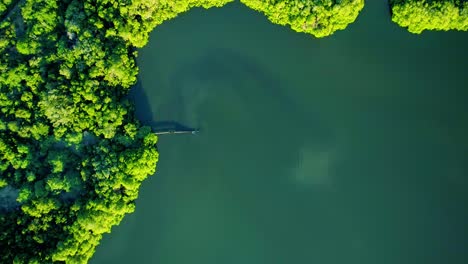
[[336, 150]]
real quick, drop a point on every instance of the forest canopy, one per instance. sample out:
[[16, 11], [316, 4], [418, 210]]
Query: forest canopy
[[72, 155], [420, 15], [320, 18]]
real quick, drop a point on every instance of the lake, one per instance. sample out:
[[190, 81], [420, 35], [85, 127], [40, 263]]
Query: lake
[[347, 149]]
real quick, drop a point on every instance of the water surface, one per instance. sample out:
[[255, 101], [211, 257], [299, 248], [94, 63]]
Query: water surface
[[347, 149]]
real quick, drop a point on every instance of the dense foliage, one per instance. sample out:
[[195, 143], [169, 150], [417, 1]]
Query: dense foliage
[[134, 19], [420, 15], [72, 155], [318, 17]]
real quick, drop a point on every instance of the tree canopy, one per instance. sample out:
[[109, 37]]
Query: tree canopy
[[320, 18], [420, 15]]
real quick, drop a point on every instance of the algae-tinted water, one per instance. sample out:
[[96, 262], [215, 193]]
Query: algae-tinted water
[[347, 149]]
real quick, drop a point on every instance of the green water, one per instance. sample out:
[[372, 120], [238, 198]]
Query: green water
[[347, 149]]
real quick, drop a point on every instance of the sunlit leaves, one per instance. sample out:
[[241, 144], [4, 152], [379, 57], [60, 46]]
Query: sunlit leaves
[[40, 207], [24, 194], [3, 183], [58, 108], [320, 18], [420, 15]]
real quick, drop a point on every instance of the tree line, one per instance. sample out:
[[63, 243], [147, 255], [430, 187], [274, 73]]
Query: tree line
[[70, 146], [322, 18], [420, 15]]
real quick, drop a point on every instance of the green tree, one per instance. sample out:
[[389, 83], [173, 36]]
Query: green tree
[[320, 18], [420, 15]]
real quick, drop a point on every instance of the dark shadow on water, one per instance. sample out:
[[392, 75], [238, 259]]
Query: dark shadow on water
[[139, 98], [144, 114]]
